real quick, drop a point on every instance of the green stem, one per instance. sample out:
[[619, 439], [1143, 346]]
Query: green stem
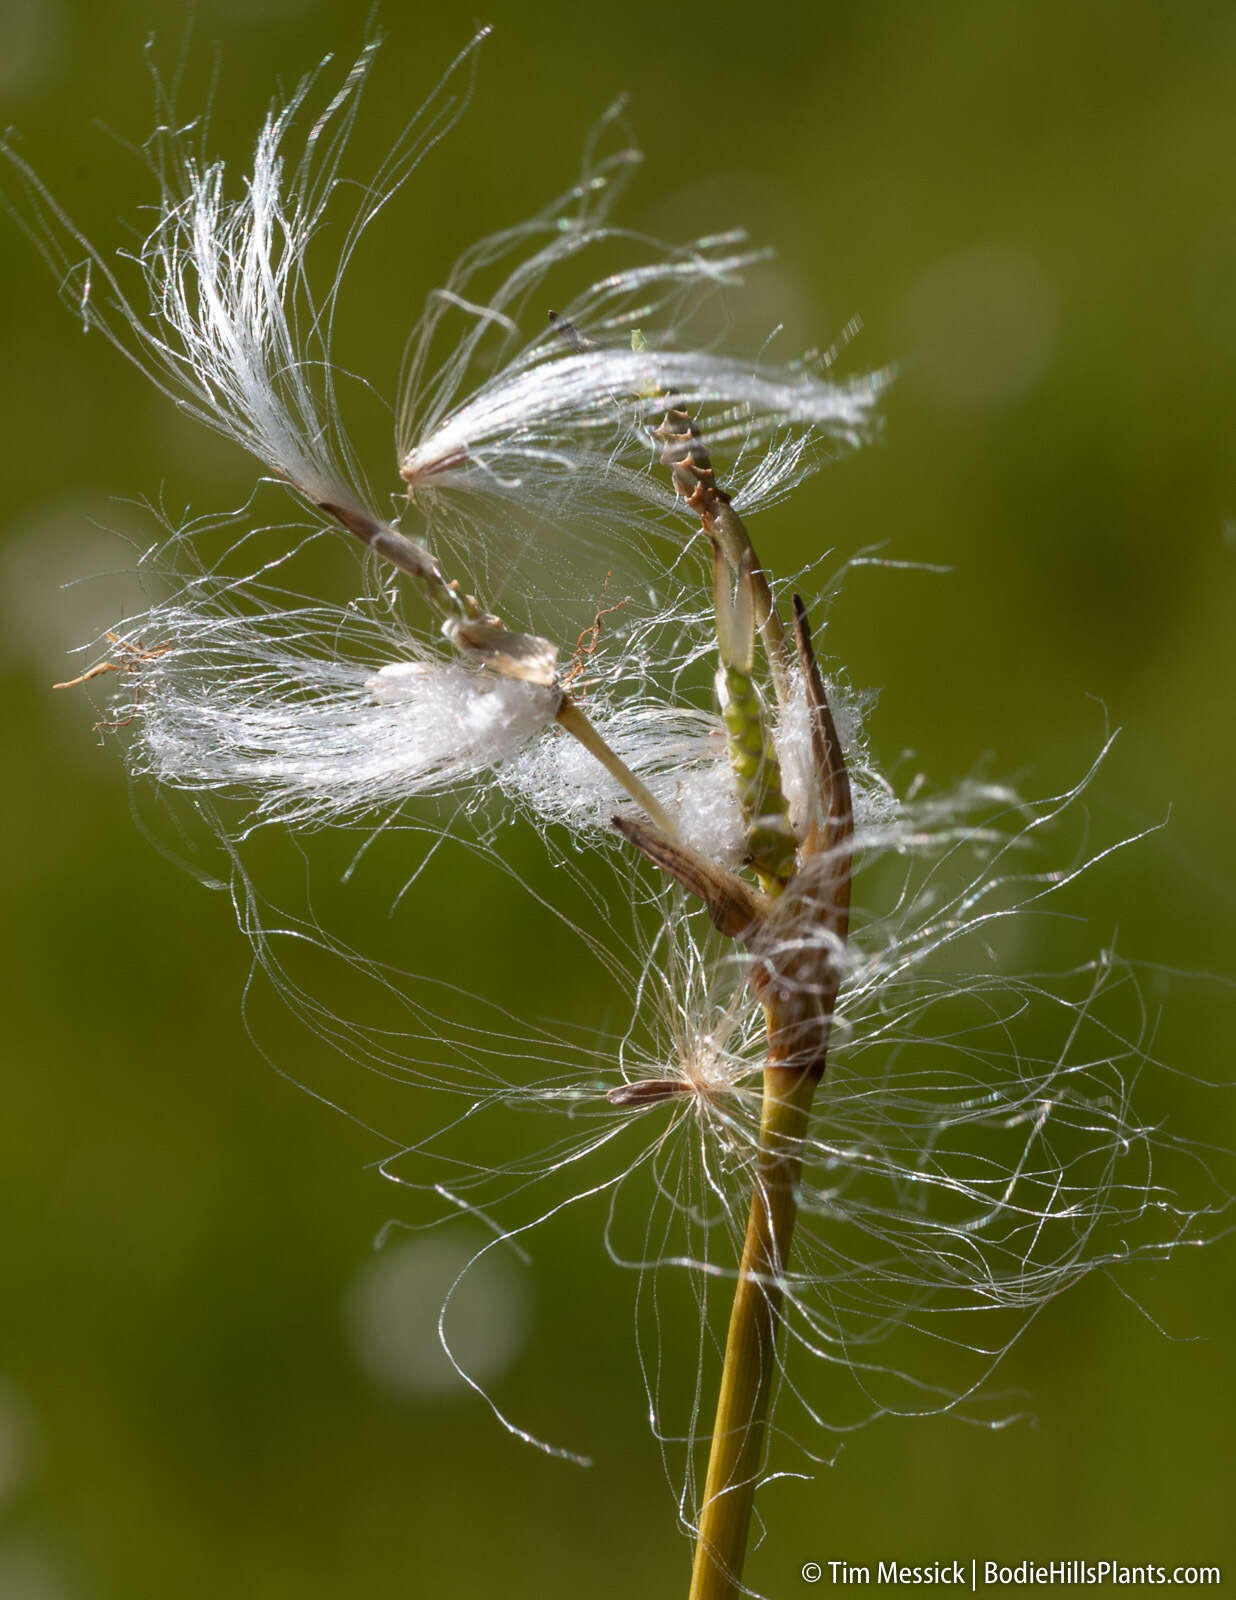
[[573, 720], [751, 1345]]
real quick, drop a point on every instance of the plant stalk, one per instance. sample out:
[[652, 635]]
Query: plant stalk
[[572, 719], [751, 1345]]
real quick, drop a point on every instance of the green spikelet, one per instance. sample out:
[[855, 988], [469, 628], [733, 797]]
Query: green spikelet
[[757, 772]]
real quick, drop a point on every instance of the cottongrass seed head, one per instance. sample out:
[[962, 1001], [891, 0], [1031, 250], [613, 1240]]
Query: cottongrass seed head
[[973, 1147]]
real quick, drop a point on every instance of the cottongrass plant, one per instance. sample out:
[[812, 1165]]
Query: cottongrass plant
[[857, 1127]]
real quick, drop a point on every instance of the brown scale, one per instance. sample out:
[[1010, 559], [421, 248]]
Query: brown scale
[[690, 465]]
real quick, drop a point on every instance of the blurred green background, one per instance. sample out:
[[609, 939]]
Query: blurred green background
[[1033, 208]]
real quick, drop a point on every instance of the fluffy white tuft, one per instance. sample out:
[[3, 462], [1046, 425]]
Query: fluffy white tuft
[[248, 703], [226, 321], [552, 415]]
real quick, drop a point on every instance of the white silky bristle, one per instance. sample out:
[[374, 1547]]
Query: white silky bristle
[[239, 703]]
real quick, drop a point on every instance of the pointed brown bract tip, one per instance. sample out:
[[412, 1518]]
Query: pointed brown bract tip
[[735, 907], [831, 774]]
